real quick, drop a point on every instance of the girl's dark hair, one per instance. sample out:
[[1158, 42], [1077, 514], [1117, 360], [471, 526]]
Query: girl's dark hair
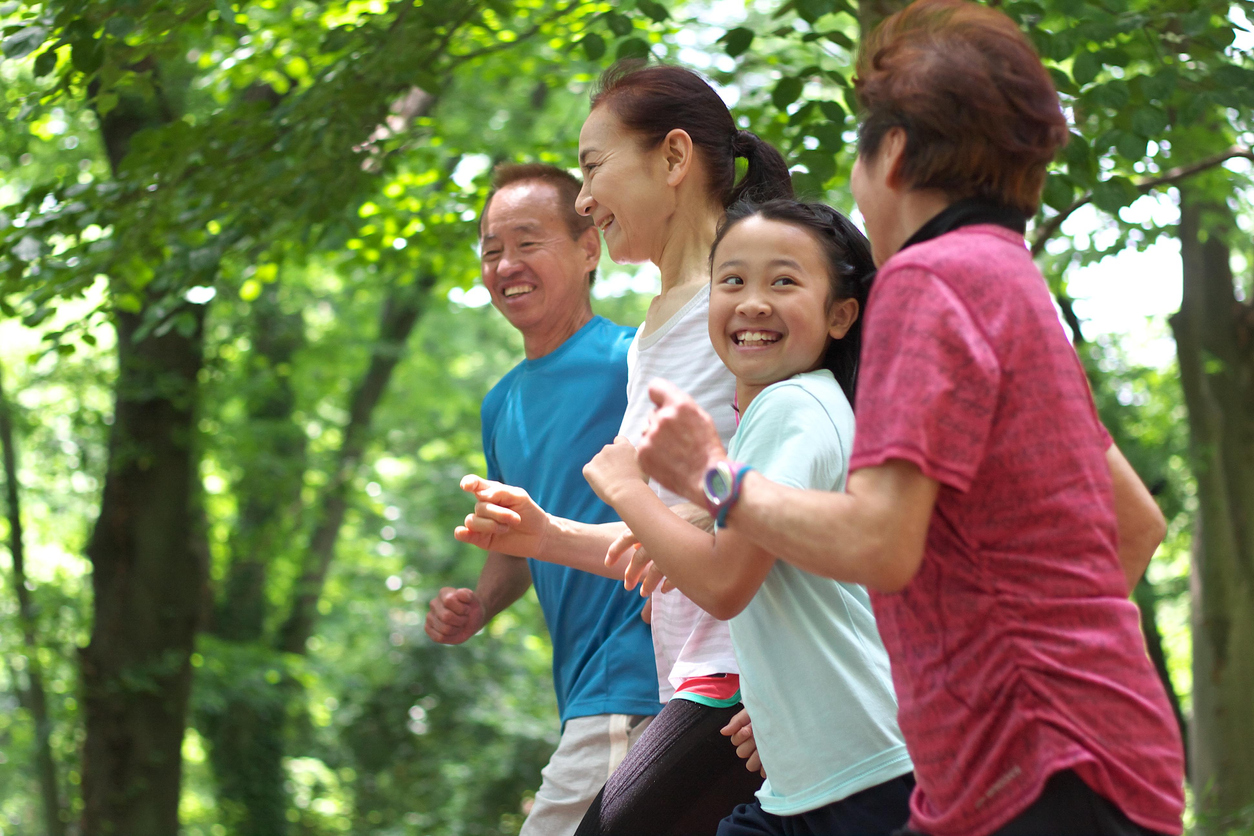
[[651, 100], [851, 270]]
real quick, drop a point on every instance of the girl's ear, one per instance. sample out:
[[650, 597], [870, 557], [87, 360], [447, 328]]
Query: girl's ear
[[841, 318], [677, 151]]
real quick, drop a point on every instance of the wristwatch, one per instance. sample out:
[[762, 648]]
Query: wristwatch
[[722, 488]]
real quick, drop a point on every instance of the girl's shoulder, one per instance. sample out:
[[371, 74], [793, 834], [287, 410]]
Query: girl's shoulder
[[807, 392]]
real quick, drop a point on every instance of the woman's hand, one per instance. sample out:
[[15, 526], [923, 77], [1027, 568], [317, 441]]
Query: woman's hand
[[506, 519], [680, 444], [740, 730], [613, 468]]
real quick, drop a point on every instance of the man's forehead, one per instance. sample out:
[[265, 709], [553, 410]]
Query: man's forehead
[[527, 206]]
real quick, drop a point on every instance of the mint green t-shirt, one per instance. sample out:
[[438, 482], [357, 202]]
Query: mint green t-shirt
[[813, 672]]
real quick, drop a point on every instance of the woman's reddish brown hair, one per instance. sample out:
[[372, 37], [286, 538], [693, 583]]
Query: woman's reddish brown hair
[[980, 112]]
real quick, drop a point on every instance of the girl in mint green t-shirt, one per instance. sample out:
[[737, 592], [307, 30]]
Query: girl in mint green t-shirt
[[788, 282]]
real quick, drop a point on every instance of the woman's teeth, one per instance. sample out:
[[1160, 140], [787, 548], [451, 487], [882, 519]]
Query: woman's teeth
[[754, 338]]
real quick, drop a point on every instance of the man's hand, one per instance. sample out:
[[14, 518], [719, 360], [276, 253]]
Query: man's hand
[[612, 468], [680, 444], [740, 730], [506, 519], [454, 616]]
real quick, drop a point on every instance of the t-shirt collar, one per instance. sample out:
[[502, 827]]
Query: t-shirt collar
[[968, 212]]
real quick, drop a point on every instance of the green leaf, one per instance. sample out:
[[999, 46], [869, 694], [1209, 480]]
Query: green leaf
[[632, 48], [737, 40], [45, 63], [1113, 94], [1130, 146], [1058, 193], [593, 46], [786, 92], [87, 56], [811, 10], [839, 38], [833, 111], [23, 42], [654, 10], [1114, 194], [1085, 67], [1161, 85], [106, 102], [618, 24], [1149, 121]]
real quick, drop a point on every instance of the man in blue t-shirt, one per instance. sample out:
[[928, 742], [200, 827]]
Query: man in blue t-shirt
[[541, 423]]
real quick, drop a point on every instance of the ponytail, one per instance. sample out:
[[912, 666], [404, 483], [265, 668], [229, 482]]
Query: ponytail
[[651, 100], [766, 177]]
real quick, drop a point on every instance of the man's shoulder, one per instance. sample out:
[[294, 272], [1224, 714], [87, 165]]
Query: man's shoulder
[[609, 340]]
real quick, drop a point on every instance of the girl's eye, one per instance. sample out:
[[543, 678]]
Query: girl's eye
[[736, 280], [782, 281]]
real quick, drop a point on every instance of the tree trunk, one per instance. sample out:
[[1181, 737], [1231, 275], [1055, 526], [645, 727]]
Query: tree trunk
[[33, 697], [147, 578], [401, 311], [1215, 346]]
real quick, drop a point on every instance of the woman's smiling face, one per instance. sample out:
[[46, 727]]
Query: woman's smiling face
[[624, 188], [769, 312]]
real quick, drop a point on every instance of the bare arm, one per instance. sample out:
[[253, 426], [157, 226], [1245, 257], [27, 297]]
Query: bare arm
[[1141, 524], [872, 534], [455, 615]]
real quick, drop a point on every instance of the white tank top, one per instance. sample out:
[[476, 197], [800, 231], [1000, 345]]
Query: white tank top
[[687, 641]]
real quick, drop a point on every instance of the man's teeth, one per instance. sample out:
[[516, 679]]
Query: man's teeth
[[756, 337], [516, 290]]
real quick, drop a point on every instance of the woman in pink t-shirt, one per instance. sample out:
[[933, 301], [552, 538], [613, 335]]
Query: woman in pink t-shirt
[[998, 527]]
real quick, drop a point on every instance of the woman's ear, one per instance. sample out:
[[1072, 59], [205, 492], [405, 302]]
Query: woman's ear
[[892, 152], [677, 151], [841, 318]]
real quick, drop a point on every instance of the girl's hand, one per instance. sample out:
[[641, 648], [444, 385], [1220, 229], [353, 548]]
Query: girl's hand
[[612, 468], [740, 730], [506, 519], [640, 568]]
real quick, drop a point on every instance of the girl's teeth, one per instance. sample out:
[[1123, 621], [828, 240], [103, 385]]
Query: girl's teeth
[[746, 337]]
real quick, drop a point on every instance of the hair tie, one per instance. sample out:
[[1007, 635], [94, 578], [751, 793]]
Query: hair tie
[[743, 142]]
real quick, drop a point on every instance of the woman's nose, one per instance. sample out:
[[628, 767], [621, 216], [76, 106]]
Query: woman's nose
[[584, 202]]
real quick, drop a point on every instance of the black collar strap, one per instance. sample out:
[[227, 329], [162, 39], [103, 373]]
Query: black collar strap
[[968, 212]]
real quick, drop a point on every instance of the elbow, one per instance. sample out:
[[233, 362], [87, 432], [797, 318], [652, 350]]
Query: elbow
[[726, 601], [894, 567], [728, 608]]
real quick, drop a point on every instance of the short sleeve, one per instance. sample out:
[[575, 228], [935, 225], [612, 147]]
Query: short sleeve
[[788, 437], [928, 380], [488, 412]]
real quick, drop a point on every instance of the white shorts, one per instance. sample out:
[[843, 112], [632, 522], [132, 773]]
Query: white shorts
[[590, 749]]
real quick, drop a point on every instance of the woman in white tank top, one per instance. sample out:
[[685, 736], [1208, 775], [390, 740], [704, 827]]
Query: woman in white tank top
[[658, 156]]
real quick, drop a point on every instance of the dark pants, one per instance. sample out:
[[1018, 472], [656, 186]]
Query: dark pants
[[876, 811], [1068, 807], [680, 779]]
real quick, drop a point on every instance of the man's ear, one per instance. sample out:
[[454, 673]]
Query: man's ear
[[590, 242], [842, 317], [678, 152]]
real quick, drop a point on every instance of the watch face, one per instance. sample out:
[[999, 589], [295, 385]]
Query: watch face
[[718, 482]]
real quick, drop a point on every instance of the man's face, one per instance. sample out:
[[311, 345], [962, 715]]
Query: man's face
[[537, 274]]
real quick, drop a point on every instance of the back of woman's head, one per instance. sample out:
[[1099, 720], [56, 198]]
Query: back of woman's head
[[980, 112], [847, 255], [651, 100]]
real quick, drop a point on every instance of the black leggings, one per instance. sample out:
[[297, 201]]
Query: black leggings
[[680, 779]]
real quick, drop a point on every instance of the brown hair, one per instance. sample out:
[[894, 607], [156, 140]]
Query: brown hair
[[980, 112], [653, 100], [566, 184]]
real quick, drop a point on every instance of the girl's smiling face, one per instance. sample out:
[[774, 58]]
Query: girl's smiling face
[[770, 316]]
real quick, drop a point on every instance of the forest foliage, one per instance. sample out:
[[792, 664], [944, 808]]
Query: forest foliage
[[257, 219]]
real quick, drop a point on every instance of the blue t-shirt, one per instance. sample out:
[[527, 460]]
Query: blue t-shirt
[[541, 424]]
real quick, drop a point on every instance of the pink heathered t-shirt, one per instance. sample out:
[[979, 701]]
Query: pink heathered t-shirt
[[1015, 650]]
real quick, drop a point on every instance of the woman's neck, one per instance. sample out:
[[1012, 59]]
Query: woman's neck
[[684, 258]]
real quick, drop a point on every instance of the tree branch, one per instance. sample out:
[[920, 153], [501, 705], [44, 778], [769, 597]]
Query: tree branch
[[522, 36], [1048, 229]]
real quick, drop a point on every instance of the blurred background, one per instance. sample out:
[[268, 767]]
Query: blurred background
[[242, 350]]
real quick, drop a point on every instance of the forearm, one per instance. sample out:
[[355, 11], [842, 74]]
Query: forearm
[[872, 534], [719, 574], [503, 580], [581, 546], [1140, 524]]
